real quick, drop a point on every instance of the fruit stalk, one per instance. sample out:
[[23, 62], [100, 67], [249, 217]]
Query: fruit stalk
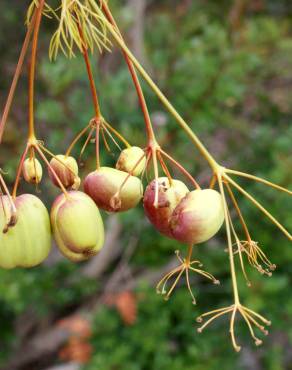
[[229, 241], [16, 76], [189, 255], [32, 69], [19, 170], [90, 74], [141, 98], [181, 169], [116, 35]]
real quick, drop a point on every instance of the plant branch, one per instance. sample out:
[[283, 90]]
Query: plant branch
[[203, 150], [239, 213], [33, 68], [229, 240], [16, 76], [258, 179], [142, 101], [90, 74], [258, 205], [181, 169]]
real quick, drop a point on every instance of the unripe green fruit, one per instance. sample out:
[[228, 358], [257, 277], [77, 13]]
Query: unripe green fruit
[[77, 226], [66, 168], [129, 158], [198, 217], [28, 243], [168, 198], [103, 187], [32, 171]]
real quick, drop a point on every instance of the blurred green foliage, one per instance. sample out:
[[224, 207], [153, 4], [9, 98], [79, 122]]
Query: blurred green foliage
[[236, 94]]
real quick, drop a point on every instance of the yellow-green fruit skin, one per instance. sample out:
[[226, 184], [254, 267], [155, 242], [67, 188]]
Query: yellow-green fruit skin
[[77, 226], [129, 158], [66, 168], [32, 171], [27, 244], [103, 185], [198, 217]]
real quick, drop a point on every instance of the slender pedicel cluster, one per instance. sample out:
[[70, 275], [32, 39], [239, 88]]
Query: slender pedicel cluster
[[185, 213]]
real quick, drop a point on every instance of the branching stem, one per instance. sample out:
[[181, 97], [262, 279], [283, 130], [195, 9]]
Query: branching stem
[[140, 94], [229, 241], [90, 75], [258, 179], [16, 76], [259, 206], [160, 95]]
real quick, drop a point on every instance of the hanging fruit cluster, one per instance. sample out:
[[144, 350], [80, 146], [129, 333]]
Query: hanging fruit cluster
[[186, 213]]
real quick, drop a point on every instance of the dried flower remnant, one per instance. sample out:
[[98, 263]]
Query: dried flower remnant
[[256, 257], [186, 267], [69, 15]]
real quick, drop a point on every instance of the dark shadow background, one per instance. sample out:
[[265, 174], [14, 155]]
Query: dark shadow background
[[227, 67]]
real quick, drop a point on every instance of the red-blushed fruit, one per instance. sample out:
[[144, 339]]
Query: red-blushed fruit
[[28, 242], [77, 226], [32, 171], [198, 216], [104, 186], [168, 198], [132, 160], [66, 168]]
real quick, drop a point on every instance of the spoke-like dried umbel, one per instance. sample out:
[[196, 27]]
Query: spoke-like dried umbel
[[187, 266]]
